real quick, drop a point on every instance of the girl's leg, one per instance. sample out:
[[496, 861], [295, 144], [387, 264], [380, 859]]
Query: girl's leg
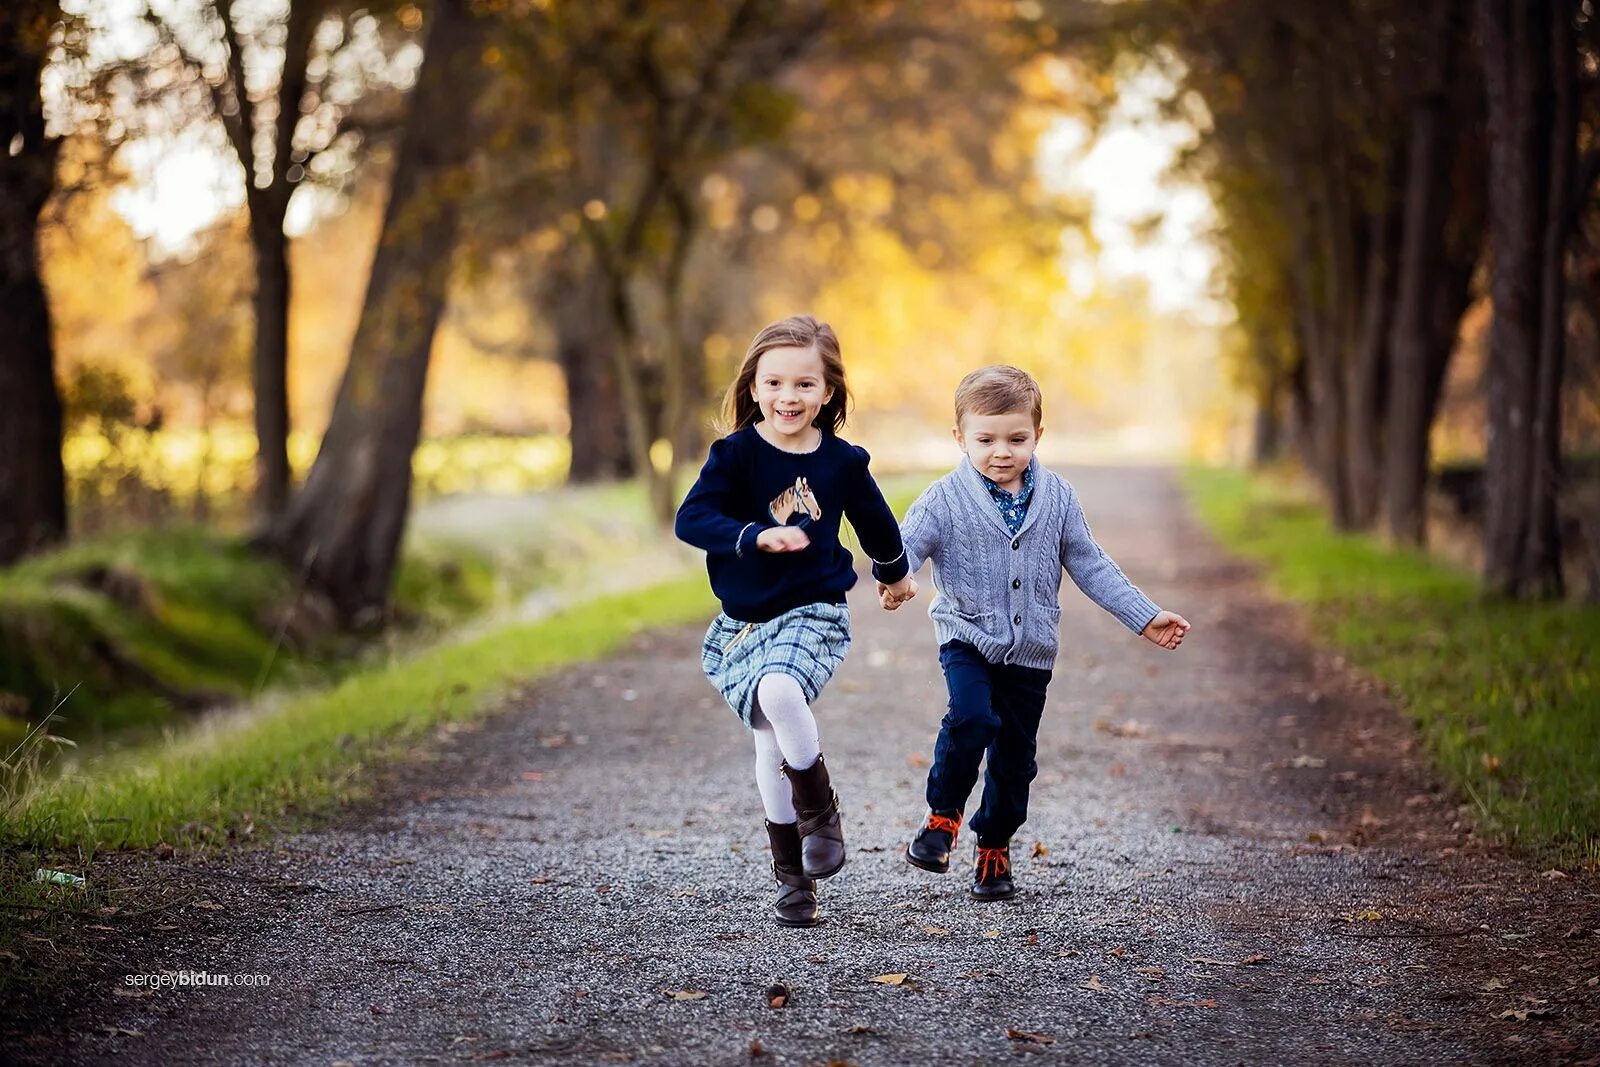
[[796, 902], [783, 705], [776, 796]]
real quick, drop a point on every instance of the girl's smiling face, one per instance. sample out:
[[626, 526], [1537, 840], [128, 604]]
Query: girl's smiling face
[[790, 389]]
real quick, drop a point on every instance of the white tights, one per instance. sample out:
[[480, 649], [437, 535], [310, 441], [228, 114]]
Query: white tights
[[785, 730]]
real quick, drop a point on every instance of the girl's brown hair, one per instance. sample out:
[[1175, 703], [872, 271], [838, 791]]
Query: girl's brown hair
[[739, 408]]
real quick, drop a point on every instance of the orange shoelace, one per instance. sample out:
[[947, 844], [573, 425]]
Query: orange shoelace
[[945, 823], [993, 862]]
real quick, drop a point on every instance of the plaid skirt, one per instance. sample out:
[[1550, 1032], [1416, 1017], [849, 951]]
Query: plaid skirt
[[808, 644]]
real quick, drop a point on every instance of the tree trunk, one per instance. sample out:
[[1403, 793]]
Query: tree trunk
[[583, 346], [1368, 379], [33, 503], [1525, 72], [1430, 131], [343, 530], [270, 367]]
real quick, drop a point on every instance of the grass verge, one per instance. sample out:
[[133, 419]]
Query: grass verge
[[312, 753], [1504, 694]]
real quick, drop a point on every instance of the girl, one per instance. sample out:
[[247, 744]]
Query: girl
[[766, 510]]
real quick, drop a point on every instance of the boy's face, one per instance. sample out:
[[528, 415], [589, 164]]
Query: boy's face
[[1000, 446]]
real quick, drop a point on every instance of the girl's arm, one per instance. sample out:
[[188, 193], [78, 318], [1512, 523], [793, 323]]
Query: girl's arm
[[1094, 572], [703, 517], [875, 525]]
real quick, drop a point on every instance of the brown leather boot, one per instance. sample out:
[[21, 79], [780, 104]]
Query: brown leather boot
[[821, 833], [796, 904]]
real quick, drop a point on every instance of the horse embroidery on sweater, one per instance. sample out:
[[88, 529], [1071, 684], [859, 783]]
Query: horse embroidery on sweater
[[795, 500]]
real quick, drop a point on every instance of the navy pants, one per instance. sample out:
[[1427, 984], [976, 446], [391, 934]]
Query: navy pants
[[994, 710]]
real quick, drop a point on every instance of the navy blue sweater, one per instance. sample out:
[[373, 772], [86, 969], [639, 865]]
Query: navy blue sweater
[[748, 485]]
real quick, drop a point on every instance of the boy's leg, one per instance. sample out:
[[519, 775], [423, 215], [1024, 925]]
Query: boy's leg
[[1019, 694], [968, 729]]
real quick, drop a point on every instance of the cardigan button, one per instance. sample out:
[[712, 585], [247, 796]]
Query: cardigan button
[[1016, 544], [1016, 620], [1016, 583]]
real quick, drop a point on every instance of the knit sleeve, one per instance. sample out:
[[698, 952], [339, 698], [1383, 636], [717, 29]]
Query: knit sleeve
[[704, 518], [923, 527], [875, 524], [1094, 572]]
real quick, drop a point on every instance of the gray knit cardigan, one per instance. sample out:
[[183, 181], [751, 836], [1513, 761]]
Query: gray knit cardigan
[[1001, 592]]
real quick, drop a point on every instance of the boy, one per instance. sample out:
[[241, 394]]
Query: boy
[[999, 529]]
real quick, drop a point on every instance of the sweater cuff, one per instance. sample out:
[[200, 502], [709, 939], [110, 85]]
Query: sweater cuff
[[892, 571], [1138, 614], [746, 541]]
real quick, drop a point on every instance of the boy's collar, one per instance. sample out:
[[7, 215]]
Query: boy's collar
[[974, 480]]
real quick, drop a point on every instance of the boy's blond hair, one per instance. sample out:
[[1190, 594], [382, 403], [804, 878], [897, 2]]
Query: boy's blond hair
[[997, 390]]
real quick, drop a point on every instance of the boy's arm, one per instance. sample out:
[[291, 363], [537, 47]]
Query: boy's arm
[[921, 528], [703, 520], [875, 525], [1094, 572]]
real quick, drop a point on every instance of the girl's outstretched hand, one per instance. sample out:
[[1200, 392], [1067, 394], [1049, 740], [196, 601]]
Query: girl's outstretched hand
[[782, 539], [1167, 630]]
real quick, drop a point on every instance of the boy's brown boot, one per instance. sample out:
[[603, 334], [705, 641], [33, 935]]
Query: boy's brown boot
[[821, 833], [991, 873], [930, 849], [796, 903]]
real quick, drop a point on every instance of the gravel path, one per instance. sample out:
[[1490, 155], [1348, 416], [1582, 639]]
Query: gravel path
[[1239, 858]]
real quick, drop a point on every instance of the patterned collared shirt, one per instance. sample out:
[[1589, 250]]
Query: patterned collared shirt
[[1013, 507]]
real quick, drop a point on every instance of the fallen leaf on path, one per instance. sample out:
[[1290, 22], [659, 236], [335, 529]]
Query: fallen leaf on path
[[1522, 1015], [757, 1049], [917, 759], [1153, 974], [1553, 874], [818, 957], [1118, 951], [1039, 849], [1094, 984], [936, 931], [1131, 728], [892, 979], [1246, 962], [991, 933], [686, 994], [1493, 984], [1031, 939], [1030, 1036], [122, 1031], [1370, 915]]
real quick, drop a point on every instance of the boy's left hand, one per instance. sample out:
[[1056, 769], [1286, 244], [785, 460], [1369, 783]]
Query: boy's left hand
[[1166, 629]]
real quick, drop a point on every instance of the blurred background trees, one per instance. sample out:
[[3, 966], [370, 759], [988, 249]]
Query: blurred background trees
[[290, 287]]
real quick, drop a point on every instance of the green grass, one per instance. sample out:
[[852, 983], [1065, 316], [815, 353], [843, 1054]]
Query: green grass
[[1506, 695], [141, 628], [315, 752]]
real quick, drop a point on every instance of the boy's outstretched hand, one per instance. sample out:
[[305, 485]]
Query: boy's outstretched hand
[[892, 596], [1167, 630]]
